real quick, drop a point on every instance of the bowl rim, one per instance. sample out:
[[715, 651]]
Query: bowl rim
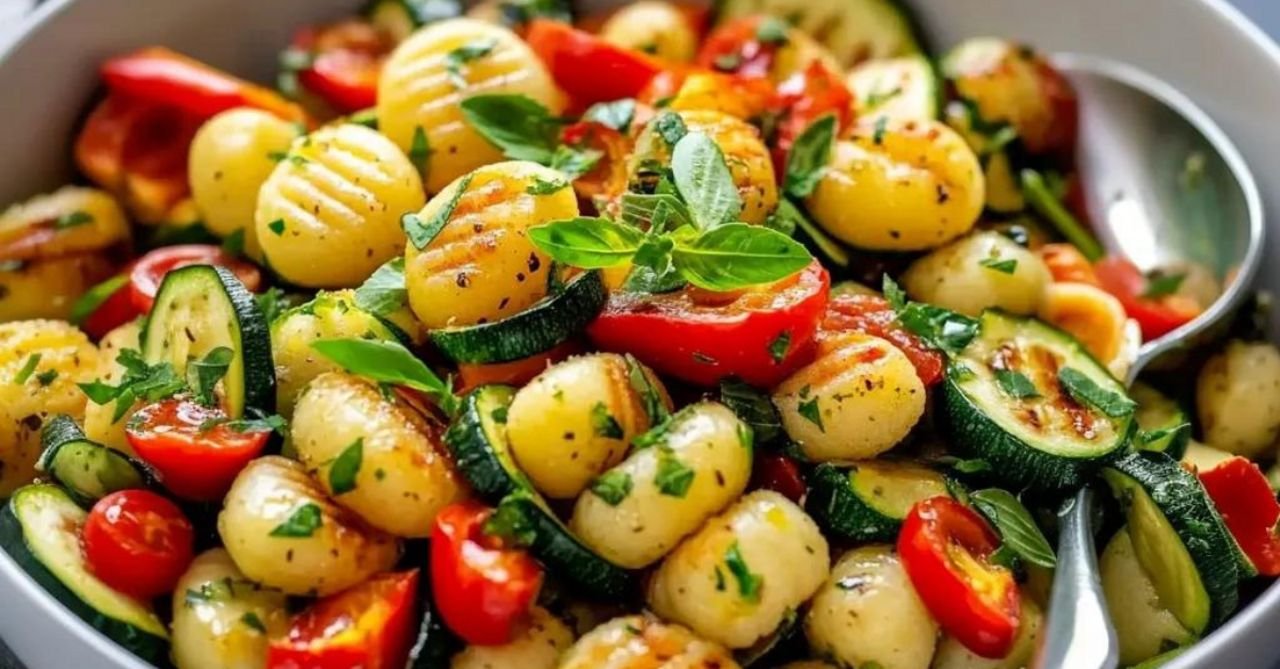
[[1248, 621]]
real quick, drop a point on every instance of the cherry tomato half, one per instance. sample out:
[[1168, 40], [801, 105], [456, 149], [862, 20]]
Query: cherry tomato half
[[760, 335], [482, 588], [945, 548], [735, 47], [872, 315], [138, 543], [588, 68], [149, 272], [195, 454], [368, 626], [344, 63], [1157, 316], [1242, 495]]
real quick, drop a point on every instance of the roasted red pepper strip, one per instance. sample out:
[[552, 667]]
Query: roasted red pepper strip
[[482, 588], [780, 474], [872, 315], [760, 335], [945, 548], [1242, 495], [588, 68], [343, 63], [368, 626], [1156, 315]]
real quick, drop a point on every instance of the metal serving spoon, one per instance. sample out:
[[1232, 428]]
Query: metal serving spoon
[[1165, 185]]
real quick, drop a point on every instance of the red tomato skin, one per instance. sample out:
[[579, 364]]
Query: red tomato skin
[[138, 542], [148, 273], [191, 463], [369, 626], [872, 315], [112, 313], [736, 41], [482, 590], [703, 344], [586, 67], [803, 98], [986, 625], [1247, 504], [780, 474], [346, 79], [1156, 317]]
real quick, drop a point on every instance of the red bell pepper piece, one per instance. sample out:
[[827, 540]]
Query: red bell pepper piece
[[1248, 505]]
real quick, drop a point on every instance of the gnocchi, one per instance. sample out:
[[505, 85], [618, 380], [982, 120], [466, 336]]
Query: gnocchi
[[736, 579], [222, 620], [859, 398], [373, 455], [538, 646], [66, 222], [283, 532], [642, 642], [100, 423], [329, 214], [1237, 399], [482, 266], [985, 270], [418, 96], [655, 27], [639, 510], [49, 288]]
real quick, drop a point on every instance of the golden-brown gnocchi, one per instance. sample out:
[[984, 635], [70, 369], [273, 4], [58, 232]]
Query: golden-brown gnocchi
[[737, 579], [375, 456], [642, 642], [49, 288], [482, 266], [1238, 398], [639, 510], [900, 186], [68, 221], [1144, 627], [331, 315], [329, 214], [100, 424], [230, 158], [418, 95], [655, 27], [538, 646], [574, 421], [744, 152], [869, 613], [859, 398], [981, 271], [222, 620], [283, 532], [953, 655]]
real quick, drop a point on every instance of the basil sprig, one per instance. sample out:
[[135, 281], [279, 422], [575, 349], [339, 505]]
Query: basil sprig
[[939, 328], [526, 130], [1018, 530], [390, 363]]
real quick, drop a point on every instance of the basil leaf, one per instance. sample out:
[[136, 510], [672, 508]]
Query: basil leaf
[[259, 422], [640, 209], [588, 243], [939, 328], [343, 471], [253, 622], [617, 114], [749, 584], [612, 487], [203, 374], [811, 412], [72, 220], [1017, 528], [737, 255], [670, 127], [517, 124], [388, 362], [276, 227], [1006, 266], [650, 397], [384, 292], [752, 407], [603, 424], [421, 232], [542, 186], [1160, 285], [704, 181], [573, 162], [1016, 384], [302, 523], [808, 157], [95, 297], [664, 279], [673, 477], [1084, 390], [457, 58]]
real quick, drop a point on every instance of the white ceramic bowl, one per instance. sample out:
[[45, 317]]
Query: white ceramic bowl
[[1203, 47]]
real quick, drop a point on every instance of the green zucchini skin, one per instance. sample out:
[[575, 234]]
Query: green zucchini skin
[[475, 439], [146, 645], [552, 543], [1185, 504], [539, 328], [88, 470], [248, 334], [851, 29]]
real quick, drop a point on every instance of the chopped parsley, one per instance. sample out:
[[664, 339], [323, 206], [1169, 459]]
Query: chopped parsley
[[673, 477], [342, 474], [1004, 266], [603, 422], [459, 57], [778, 347], [749, 584], [276, 226], [302, 523], [810, 411], [28, 368], [612, 487]]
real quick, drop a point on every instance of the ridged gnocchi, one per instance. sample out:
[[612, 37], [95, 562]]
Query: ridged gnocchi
[[859, 398], [329, 214], [283, 532], [418, 96], [903, 186], [99, 423], [1238, 398], [230, 158], [668, 489], [984, 270], [222, 620], [481, 266], [642, 642], [331, 315], [744, 152], [736, 579], [869, 613], [574, 421], [538, 646], [655, 27], [952, 654], [375, 456], [1144, 628]]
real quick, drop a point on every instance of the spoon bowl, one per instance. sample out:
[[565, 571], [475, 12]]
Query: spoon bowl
[[1166, 187]]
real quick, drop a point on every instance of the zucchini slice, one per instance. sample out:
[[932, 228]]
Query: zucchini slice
[[1179, 538], [900, 89], [88, 470], [40, 529], [539, 328], [1163, 420], [1005, 403], [478, 440], [201, 307], [853, 30], [868, 500]]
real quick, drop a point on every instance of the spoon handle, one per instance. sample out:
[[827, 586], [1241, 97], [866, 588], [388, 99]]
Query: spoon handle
[[1079, 631]]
